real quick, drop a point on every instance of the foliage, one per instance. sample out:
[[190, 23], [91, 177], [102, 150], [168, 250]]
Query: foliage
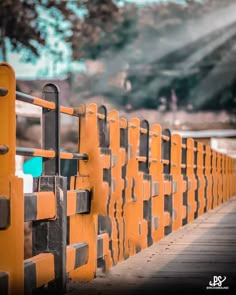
[[29, 25], [142, 41]]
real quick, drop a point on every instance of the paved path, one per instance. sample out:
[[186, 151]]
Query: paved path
[[182, 263]]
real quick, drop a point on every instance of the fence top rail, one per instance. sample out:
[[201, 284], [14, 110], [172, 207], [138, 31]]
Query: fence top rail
[[46, 104], [23, 151]]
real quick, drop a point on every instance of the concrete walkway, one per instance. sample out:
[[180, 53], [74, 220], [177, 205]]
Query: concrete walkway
[[182, 263]]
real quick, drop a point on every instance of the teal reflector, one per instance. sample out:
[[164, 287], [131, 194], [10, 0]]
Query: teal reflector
[[33, 166]]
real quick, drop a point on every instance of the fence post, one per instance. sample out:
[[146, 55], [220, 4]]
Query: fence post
[[93, 175], [105, 258], [214, 179], [177, 181], [220, 178], [192, 181], [168, 196], [50, 235], [208, 175], [156, 168], [117, 185], [185, 180], [123, 151], [134, 227], [201, 179], [11, 192], [227, 160], [205, 195], [144, 168]]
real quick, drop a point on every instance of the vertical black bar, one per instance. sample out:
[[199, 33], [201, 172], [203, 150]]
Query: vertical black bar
[[205, 177], [185, 178], [168, 205], [144, 167], [218, 172], [168, 199], [144, 147], [147, 212], [195, 172], [166, 150], [195, 157], [184, 156], [4, 283], [50, 236], [104, 144], [79, 147], [103, 128], [5, 213], [51, 130], [185, 201], [212, 179], [124, 144], [222, 174], [211, 157], [204, 159]]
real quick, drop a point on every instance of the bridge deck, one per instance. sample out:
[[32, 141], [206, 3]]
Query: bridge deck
[[183, 262]]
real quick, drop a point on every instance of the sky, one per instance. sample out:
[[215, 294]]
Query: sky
[[45, 65]]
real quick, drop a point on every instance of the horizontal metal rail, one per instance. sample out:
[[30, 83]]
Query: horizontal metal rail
[[31, 152], [47, 104], [35, 100]]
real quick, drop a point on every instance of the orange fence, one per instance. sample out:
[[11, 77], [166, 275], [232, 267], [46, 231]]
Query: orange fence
[[135, 183]]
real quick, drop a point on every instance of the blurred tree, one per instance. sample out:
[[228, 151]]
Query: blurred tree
[[160, 46], [91, 27], [28, 25], [109, 37], [179, 49]]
